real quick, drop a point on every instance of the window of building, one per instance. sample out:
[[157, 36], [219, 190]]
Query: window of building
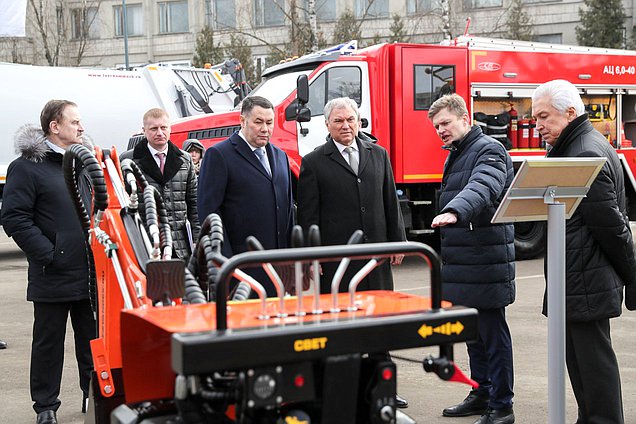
[[326, 10], [173, 17], [540, 1], [84, 23], [549, 38], [477, 4], [221, 14], [59, 14], [134, 20], [431, 83], [372, 8], [333, 83], [414, 7], [269, 13]]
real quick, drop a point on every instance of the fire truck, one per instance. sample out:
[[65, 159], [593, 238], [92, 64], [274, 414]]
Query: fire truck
[[394, 86]]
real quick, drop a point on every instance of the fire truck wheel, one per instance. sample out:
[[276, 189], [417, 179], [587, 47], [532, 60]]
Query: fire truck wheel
[[529, 239]]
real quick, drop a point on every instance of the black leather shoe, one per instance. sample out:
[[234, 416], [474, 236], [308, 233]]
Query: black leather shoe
[[400, 402], [497, 416], [474, 404], [3, 344], [47, 417]]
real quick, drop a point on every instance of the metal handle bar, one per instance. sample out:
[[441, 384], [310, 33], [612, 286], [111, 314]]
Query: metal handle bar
[[333, 253]]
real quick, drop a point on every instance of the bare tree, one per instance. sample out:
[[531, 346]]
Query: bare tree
[[51, 19], [85, 19]]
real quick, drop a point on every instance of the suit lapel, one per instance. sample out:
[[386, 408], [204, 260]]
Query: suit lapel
[[364, 151], [147, 162], [173, 162], [244, 150], [332, 151]]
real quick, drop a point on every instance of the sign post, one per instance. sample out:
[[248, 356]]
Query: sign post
[[551, 189]]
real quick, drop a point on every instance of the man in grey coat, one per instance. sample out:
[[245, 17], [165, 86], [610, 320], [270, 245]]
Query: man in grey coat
[[478, 268], [599, 254]]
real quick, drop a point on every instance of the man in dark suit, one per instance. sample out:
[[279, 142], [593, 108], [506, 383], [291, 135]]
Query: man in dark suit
[[247, 181], [342, 197]]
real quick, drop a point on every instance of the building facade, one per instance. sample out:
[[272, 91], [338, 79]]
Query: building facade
[[92, 33]]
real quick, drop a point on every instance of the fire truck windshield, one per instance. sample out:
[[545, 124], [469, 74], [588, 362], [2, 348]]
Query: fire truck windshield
[[277, 88]]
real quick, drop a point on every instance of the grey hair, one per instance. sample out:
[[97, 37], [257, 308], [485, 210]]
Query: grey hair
[[563, 95], [341, 103], [453, 102]]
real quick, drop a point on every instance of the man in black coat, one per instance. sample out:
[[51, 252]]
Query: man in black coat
[[347, 185], [171, 171], [247, 181], [38, 213], [341, 197], [599, 254], [478, 268]]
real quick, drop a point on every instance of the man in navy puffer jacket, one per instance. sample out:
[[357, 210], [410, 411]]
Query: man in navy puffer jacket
[[478, 268]]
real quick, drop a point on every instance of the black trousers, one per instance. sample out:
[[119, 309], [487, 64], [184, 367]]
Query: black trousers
[[491, 358], [594, 372], [47, 349]]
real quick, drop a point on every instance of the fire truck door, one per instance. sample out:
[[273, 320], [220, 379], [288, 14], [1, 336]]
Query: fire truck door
[[427, 74], [335, 80]]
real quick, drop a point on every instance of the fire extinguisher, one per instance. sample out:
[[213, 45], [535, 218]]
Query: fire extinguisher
[[512, 129], [524, 134], [535, 141]]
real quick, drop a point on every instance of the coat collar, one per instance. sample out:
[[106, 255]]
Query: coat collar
[[578, 126], [364, 150], [243, 149], [150, 167], [473, 134]]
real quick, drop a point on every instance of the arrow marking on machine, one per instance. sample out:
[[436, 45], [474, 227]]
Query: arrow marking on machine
[[445, 329]]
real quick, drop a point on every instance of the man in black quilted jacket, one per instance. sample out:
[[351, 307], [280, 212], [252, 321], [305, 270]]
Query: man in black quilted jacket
[[171, 171], [599, 253], [478, 268]]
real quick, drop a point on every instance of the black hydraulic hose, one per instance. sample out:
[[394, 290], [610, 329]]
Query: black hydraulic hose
[[193, 292], [209, 245], [209, 269], [128, 165], [79, 153], [156, 215]]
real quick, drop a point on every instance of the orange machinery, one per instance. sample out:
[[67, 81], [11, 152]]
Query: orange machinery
[[320, 358]]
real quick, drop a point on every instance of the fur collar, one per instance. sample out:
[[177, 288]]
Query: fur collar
[[29, 143]]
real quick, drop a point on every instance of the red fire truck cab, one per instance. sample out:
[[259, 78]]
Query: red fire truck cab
[[395, 84]]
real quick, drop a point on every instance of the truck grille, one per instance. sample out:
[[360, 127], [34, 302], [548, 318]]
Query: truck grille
[[211, 133]]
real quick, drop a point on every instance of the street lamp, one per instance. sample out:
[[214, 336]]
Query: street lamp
[[125, 18]]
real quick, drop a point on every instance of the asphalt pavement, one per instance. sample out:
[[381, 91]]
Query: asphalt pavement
[[426, 394]]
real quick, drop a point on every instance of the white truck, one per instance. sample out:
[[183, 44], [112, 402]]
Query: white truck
[[112, 102]]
